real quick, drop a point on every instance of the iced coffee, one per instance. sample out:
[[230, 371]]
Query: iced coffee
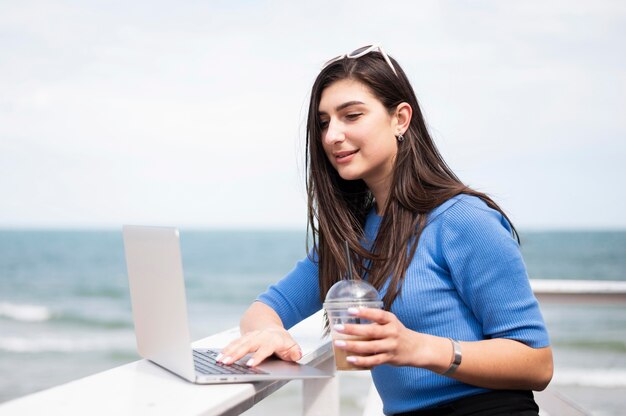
[[341, 296]]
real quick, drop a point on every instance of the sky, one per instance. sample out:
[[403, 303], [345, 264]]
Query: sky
[[192, 113]]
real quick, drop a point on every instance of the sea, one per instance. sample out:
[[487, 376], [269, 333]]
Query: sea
[[65, 310]]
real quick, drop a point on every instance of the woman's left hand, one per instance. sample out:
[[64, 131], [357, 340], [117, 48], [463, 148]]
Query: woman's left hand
[[389, 342]]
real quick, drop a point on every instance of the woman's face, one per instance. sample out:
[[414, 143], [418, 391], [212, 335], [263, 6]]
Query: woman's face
[[358, 134]]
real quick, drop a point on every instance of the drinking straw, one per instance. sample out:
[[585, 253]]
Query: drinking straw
[[348, 261]]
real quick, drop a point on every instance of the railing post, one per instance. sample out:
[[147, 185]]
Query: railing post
[[320, 397]]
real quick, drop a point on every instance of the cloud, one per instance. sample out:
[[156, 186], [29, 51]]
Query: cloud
[[194, 114]]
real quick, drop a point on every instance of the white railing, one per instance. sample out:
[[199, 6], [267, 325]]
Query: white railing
[[590, 291], [144, 388]]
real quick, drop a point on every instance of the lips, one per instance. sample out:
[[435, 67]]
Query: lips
[[345, 155]]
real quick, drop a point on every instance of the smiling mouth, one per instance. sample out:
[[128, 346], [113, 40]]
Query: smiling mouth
[[343, 155]]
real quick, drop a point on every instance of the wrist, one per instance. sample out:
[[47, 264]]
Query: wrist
[[455, 359], [444, 352], [434, 354]]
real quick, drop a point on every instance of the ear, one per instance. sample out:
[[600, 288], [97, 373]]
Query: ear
[[402, 117]]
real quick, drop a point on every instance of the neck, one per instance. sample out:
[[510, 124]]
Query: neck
[[380, 191]]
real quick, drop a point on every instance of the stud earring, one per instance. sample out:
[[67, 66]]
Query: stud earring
[[400, 137]]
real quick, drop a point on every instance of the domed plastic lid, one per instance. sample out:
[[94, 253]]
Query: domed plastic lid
[[353, 292]]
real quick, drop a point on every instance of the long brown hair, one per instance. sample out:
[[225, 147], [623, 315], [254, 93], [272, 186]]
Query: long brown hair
[[337, 208]]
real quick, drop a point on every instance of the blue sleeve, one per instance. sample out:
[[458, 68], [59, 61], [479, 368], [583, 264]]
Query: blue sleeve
[[487, 268], [297, 295]]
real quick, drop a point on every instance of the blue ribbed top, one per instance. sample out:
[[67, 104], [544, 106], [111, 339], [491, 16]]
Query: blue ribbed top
[[466, 281]]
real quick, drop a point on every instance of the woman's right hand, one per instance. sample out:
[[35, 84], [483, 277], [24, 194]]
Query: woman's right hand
[[262, 343], [263, 335]]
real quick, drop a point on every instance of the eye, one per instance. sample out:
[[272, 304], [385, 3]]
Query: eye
[[323, 124], [353, 116]]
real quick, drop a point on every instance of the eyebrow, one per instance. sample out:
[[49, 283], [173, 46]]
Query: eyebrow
[[345, 105]]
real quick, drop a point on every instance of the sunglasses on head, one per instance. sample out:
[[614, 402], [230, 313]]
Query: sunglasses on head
[[362, 51]]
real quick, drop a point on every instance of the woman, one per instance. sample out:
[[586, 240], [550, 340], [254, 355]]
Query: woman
[[461, 332]]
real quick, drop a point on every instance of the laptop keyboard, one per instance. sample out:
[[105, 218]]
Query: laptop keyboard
[[205, 363]]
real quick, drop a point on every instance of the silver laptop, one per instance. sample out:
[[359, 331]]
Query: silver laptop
[[159, 304]]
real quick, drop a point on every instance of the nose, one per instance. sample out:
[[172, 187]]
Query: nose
[[334, 133]]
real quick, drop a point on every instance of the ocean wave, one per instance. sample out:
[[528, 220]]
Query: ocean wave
[[93, 322], [604, 378], [103, 292], [30, 313], [25, 312], [64, 345]]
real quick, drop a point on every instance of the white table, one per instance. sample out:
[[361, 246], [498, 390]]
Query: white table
[[143, 388]]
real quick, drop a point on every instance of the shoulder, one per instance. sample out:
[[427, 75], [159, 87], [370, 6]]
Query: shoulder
[[468, 213]]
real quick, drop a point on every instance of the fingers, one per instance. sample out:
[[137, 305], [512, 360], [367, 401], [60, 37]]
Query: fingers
[[366, 354], [368, 361], [363, 347], [375, 315], [259, 356], [238, 349], [384, 324], [262, 344], [372, 344], [370, 331], [293, 353]]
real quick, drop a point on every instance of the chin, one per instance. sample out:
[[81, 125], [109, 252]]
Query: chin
[[348, 177], [349, 173]]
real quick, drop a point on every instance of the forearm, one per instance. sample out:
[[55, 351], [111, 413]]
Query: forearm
[[259, 316], [494, 363]]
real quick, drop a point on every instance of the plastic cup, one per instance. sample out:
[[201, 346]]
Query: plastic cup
[[341, 296]]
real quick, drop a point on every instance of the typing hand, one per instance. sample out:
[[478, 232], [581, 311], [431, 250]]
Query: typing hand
[[262, 343]]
